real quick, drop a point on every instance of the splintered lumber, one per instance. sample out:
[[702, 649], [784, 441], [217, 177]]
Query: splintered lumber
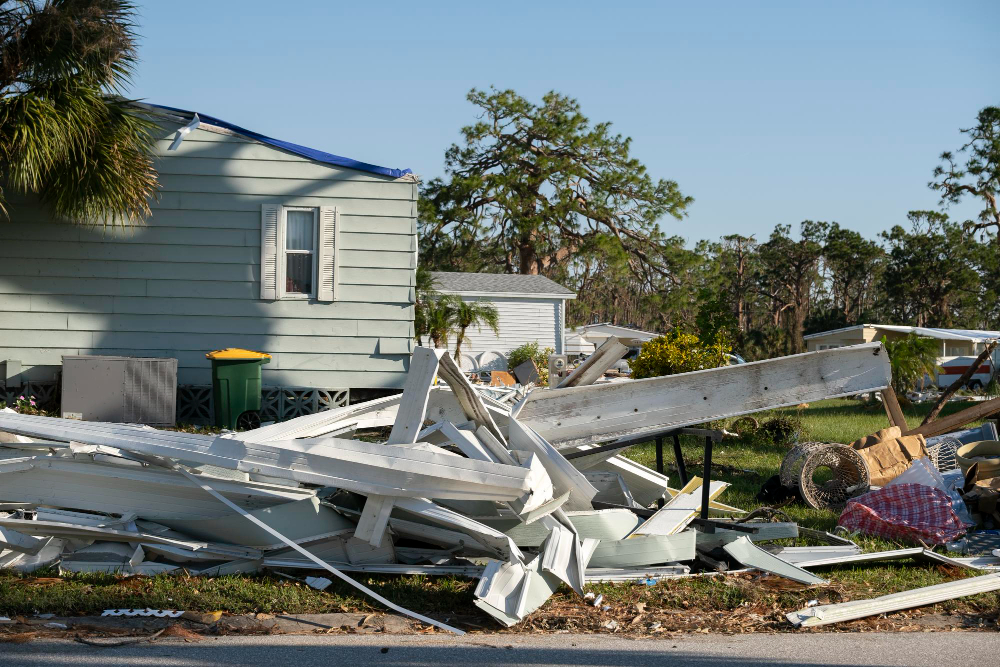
[[957, 420], [594, 366], [599, 413], [353, 465], [918, 597], [413, 404], [409, 422], [892, 409]]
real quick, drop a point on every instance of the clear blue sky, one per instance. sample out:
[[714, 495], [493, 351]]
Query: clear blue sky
[[764, 112]]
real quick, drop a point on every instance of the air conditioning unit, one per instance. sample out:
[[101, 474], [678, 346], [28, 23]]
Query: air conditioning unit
[[131, 390]]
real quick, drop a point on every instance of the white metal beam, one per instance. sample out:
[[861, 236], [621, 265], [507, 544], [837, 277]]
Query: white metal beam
[[598, 413]]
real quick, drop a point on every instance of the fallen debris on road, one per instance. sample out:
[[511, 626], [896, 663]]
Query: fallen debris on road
[[525, 497]]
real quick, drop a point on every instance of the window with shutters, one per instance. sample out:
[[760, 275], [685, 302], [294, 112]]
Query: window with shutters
[[297, 263], [298, 252]]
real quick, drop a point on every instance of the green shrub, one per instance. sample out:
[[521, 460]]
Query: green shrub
[[910, 359], [679, 352], [521, 354], [779, 430]]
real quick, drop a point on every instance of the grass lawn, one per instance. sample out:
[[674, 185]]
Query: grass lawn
[[735, 603]]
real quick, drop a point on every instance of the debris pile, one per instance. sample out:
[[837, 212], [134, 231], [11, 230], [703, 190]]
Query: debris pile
[[525, 497]]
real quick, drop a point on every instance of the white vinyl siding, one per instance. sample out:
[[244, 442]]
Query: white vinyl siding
[[522, 320], [190, 279]]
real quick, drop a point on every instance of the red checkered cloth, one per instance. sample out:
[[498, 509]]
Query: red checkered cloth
[[907, 512]]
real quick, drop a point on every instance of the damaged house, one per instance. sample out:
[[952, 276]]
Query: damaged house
[[252, 242]]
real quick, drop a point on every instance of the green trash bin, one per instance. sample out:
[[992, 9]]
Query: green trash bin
[[236, 387]]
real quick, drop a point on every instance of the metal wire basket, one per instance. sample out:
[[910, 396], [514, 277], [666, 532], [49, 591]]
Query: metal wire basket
[[826, 474], [943, 454]]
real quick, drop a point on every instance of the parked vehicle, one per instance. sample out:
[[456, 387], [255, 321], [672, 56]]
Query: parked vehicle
[[951, 368]]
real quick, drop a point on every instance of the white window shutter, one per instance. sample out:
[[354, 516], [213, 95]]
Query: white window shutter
[[328, 266], [270, 215]]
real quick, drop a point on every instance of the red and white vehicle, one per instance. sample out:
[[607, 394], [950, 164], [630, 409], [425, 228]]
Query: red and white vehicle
[[951, 368]]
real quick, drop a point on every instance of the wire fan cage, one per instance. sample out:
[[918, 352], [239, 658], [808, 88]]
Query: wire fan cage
[[826, 474], [943, 454]]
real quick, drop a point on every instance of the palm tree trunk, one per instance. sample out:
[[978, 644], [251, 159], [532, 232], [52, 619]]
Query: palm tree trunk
[[459, 339]]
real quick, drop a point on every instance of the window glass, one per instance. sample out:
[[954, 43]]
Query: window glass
[[298, 273], [299, 233]]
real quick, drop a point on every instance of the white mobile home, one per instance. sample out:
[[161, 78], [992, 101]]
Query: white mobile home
[[252, 242], [958, 347], [531, 308]]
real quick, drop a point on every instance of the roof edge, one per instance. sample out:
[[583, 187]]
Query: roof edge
[[523, 295], [298, 149]]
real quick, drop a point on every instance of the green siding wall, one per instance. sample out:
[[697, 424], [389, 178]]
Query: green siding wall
[[188, 281]]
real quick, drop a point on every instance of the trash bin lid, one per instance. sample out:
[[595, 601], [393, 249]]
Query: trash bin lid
[[236, 353]]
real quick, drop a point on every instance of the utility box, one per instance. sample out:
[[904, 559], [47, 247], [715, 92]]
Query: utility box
[[129, 390], [558, 369]]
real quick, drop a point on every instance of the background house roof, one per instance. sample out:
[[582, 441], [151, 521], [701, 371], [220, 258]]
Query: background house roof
[[498, 283], [304, 151], [974, 335]]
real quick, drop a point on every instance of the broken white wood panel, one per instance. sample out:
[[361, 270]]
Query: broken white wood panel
[[300, 521], [423, 510], [11, 539], [74, 531], [378, 412], [645, 550], [563, 554], [918, 597], [610, 524], [593, 367], [748, 554], [598, 413], [646, 485], [446, 433], [564, 476], [357, 466], [150, 492], [374, 519], [413, 405], [48, 555], [470, 400], [496, 448], [678, 512], [509, 592], [499, 591]]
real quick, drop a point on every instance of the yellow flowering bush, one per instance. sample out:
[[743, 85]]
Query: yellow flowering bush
[[679, 352]]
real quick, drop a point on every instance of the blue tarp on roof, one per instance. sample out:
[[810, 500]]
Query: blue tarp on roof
[[304, 151]]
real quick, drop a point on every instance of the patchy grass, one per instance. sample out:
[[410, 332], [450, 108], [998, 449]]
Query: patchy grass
[[735, 603]]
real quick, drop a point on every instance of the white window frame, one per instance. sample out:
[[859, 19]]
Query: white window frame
[[283, 252]]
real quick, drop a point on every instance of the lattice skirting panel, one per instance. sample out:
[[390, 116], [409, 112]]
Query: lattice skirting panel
[[46, 394], [194, 402]]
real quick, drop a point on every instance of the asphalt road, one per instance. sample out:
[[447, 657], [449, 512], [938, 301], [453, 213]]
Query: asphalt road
[[818, 649]]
